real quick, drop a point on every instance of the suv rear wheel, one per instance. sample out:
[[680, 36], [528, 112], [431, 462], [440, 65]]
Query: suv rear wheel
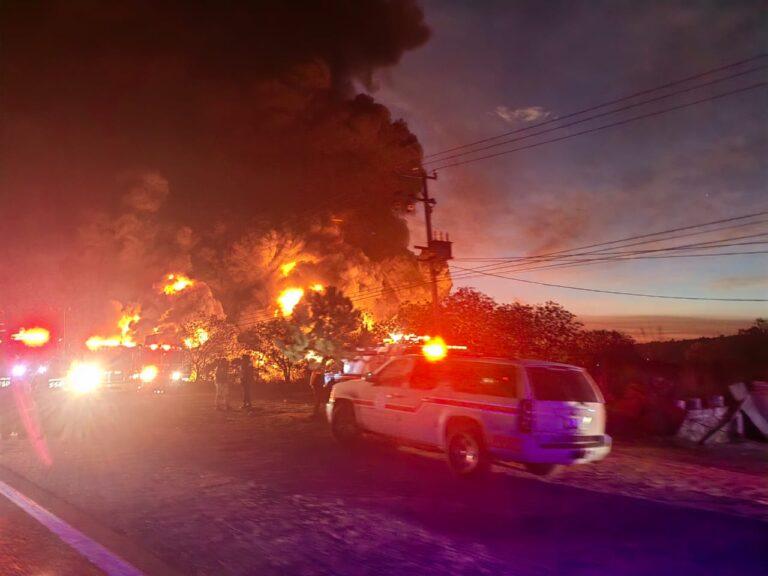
[[467, 455], [344, 424]]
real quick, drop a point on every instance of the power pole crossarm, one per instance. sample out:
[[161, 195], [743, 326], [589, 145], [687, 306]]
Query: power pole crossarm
[[432, 252], [428, 203]]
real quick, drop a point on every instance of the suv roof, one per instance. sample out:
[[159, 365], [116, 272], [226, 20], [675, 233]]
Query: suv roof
[[495, 359]]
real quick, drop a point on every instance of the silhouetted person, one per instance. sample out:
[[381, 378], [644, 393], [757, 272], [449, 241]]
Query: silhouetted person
[[246, 379], [222, 381], [321, 382]]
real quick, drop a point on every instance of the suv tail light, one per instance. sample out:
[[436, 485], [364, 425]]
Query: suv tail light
[[525, 421]]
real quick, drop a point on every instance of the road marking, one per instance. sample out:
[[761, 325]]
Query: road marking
[[98, 555]]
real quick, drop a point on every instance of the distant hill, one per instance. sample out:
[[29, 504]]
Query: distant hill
[[743, 356], [667, 328], [674, 351]]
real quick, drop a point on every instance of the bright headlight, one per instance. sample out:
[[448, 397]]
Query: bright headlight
[[18, 370], [148, 373], [175, 375], [83, 378]]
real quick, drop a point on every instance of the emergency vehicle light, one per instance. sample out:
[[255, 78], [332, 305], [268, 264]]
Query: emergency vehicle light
[[434, 349]]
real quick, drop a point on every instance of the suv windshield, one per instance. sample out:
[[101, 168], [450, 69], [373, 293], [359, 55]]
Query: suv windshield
[[561, 384]]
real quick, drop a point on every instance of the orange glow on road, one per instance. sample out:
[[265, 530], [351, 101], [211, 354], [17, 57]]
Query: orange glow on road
[[32, 337], [175, 283], [288, 300]]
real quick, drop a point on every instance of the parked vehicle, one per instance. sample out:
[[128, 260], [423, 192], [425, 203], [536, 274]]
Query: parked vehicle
[[358, 366], [477, 409]]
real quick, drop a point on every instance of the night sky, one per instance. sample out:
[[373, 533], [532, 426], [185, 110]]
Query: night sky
[[486, 60]]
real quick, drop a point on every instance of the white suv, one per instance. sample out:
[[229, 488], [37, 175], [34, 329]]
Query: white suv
[[478, 409]]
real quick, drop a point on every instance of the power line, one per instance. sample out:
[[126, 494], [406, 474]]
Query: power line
[[596, 116], [606, 126], [648, 235], [640, 257], [343, 196], [651, 238], [327, 202], [620, 258], [617, 292], [565, 253], [378, 292], [474, 272], [574, 251], [468, 273], [603, 104], [576, 263]]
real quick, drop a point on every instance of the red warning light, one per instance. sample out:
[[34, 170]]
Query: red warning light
[[434, 349]]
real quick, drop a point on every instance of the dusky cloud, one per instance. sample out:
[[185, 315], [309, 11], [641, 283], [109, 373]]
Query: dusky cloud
[[748, 281], [522, 115]]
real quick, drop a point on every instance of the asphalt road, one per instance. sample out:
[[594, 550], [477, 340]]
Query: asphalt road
[[27, 548], [270, 493]]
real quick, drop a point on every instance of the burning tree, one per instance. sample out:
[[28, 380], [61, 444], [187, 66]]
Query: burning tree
[[324, 326], [334, 329], [280, 342], [333, 324], [207, 340]]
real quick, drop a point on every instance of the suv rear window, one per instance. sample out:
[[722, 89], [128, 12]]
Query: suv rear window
[[486, 378], [561, 384]]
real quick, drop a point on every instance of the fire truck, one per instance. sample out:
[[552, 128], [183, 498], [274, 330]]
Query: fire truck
[[149, 368]]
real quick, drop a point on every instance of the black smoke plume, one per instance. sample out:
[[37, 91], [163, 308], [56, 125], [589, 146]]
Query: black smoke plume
[[140, 137]]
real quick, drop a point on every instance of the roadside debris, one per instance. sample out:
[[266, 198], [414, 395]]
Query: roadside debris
[[718, 423]]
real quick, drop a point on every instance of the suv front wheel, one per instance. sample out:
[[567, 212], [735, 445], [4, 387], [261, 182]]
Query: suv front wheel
[[467, 455], [344, 424]]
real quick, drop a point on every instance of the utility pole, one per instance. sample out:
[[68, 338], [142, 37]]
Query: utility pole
[[437, 249], [428, 206]]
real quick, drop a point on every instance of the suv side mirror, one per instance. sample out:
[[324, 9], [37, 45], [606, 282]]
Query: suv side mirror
[[369, 377]]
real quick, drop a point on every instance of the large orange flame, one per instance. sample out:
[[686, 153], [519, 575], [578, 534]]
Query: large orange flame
[[288, 299], [97, 342], [367, 320], [175, 283], [288, 267], [125, 338], [199, 338], [32, 337]]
